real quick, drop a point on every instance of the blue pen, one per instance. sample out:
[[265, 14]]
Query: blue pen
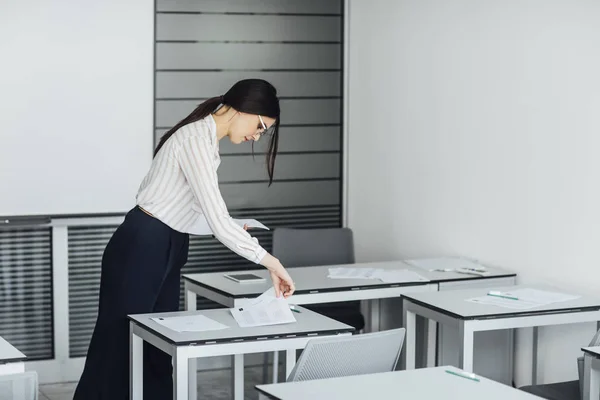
[[501, 295]]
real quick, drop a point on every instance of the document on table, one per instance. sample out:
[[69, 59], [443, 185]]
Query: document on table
[[399, 276], [523, 298], [450, 264], [351, 273], [386, 276], [190, 323], [503, 302], [264, 310]]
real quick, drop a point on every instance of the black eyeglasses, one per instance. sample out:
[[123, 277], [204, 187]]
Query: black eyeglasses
[[263, 128]]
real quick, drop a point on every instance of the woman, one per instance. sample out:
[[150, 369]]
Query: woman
[[142, 261]]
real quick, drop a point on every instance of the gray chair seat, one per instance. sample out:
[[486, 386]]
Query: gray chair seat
[[556, 391]]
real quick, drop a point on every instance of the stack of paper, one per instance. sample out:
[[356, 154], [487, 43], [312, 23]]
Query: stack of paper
[[386, 276], [264, 310], [522, 299], [190, 323], [450, 264]]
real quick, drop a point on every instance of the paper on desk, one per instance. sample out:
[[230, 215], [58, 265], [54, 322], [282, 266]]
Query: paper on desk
[[450, 264], [506, 303], [386, 276], [264, 310], [526, 298], [351, 273], [542, 297], [190, 323], [399, 276]]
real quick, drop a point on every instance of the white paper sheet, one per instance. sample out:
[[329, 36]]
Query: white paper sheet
[[524, 298], [386, 276], [506, 303], [351, 273], [450, 264], [399, 276], [190, 323], [264, 310], [541, 296]]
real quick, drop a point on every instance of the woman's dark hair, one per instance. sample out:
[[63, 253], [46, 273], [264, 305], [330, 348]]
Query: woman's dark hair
[[251, 96]]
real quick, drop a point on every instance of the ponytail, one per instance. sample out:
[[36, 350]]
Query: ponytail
[[202, 111], [272, 152]]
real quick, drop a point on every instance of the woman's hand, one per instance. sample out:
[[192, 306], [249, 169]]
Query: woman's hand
[[282, 282]]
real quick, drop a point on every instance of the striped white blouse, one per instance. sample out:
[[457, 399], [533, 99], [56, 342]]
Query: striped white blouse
[[182, 190]]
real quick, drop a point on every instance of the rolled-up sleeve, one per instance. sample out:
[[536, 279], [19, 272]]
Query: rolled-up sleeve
[[195, 159]]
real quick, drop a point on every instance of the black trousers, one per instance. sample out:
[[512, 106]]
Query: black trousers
[[140, 274]]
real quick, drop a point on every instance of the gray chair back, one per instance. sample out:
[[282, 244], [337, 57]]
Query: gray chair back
[[309, 247], [334, 357]]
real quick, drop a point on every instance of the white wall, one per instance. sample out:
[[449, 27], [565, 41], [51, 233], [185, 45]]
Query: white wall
[[76, 105], [474, 129]]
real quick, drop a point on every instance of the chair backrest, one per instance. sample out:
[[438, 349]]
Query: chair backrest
[[19, 386], [308, 247], [334, 357], [594, 342]]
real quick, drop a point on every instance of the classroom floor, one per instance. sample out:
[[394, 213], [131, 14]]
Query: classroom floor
[[212, 385]]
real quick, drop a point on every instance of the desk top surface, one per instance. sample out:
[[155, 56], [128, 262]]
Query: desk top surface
[[593, 351], [9, 353], [308, 323], [310, 280], [425, 383], [453, 303]]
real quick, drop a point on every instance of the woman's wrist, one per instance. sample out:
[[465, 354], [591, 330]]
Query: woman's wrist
[[271, 263]]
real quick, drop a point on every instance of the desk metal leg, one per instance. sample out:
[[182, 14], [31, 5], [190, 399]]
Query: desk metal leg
[[192, 379], [410, 323], [190, 305], [180, 375], [136, 367], [190, 300], [19, 389], [374, 315], [290, 362], [275, 366], [591, 378], [534, 356], [238, 377], [431, 343], [465, 357]]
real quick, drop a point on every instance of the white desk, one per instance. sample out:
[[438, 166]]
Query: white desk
[[234, 340], [11, 359], [426, 383], [313, 286], [450, 308], [591, 371]]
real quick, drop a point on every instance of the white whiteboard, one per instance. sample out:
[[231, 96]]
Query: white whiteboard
[[76, 105]]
